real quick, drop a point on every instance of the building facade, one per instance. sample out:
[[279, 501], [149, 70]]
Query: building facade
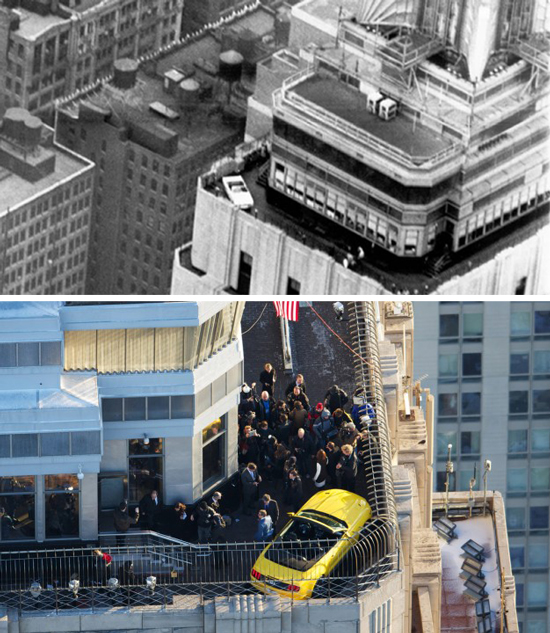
[[108, 412], [488, 367], [52, 49], [46, 194], [398, 135]]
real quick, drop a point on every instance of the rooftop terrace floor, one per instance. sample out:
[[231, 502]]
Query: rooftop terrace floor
[[351, 105]]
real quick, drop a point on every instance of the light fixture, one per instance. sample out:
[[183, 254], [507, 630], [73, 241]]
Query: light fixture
[[35, 589], [74, 586], [151, 582], [113, 583], [80, 474], [145, 439]]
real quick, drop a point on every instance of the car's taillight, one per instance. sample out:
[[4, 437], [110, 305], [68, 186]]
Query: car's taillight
[[256, 574], [293, 588]]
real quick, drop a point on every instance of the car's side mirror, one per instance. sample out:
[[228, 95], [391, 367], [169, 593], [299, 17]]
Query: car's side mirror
[[291, 514]]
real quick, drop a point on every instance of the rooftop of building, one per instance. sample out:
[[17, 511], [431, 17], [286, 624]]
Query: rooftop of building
[[465, 523], [215, 116], [76, 390], [33, 25], [16, 190], [406, 274], [327, 11], [28, 309], [349, 104]]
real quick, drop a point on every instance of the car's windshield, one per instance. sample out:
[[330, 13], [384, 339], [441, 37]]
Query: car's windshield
[[331, 522], [301, 544]]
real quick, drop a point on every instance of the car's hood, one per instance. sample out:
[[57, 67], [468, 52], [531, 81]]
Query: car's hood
[[340, 504]]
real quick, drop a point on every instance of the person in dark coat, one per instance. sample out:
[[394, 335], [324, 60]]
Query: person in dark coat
[[294, 493], [265, 409], [280, 407], [297, 382], [268, 378], [282, 432], [333, 457], [126, 575], [302, 448], [250, 479], [335, 398], [281, 455], [297, 395], [340, 418], [346, 469], [150, 509], [347, 434], [270, 506], [298, 418], [175, 521], [123, 520]]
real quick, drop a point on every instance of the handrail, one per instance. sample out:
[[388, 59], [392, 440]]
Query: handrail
[[305, 110]]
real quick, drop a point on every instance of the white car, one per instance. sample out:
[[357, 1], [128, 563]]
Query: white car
[[237, 191]]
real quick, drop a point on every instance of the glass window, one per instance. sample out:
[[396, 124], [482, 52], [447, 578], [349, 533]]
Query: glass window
[[520, 323], [182, 407], [447, 404], [541, 400], [18, 521], [540, 440], [519, 594], [62, 506], [517, 480], [440, 481], [470, 442], [50, 353], [112, 409], [540, 479], [464, 478], [542, 322], [537, 593], [471, 403], [448, 365], [27, 355], [541, 362], [158, 408], [7, 355], [25, 445], [213, 452], [145, 468], [443, 441], [536, 626], [519, 363], [517, 556], [86, 443], [448, 325], [518, 401], [54, 444], [5, 445], [134, 409], [471, 364], [515, 518], [538, 519], [538, 555], [472, 324], [517, 441]]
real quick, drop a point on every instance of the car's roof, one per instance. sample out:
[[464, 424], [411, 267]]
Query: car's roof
[[337, 503]]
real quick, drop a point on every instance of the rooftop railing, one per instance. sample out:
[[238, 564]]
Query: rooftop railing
[[147, 569], [334, 127]]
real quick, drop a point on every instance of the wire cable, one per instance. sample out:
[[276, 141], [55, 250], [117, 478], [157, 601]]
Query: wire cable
[[257, 320]]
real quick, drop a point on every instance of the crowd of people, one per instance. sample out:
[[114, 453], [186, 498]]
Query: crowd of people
[[284, 441]]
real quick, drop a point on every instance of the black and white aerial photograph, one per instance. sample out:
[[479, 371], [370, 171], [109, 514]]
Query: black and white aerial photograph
[[154, 147]]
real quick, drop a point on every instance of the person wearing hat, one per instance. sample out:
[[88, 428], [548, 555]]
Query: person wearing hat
[[247, 403], [348, 434], [324, 428]]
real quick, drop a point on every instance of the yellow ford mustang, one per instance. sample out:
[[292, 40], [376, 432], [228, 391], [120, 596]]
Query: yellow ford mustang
[[311, 544]]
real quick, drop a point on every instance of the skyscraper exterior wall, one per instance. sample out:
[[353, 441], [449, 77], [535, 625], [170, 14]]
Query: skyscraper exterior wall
[[488, 366], [46, 194], [51, 49], [134, 397]]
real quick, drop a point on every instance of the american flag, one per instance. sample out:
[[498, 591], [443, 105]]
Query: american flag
[[288, 309]]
